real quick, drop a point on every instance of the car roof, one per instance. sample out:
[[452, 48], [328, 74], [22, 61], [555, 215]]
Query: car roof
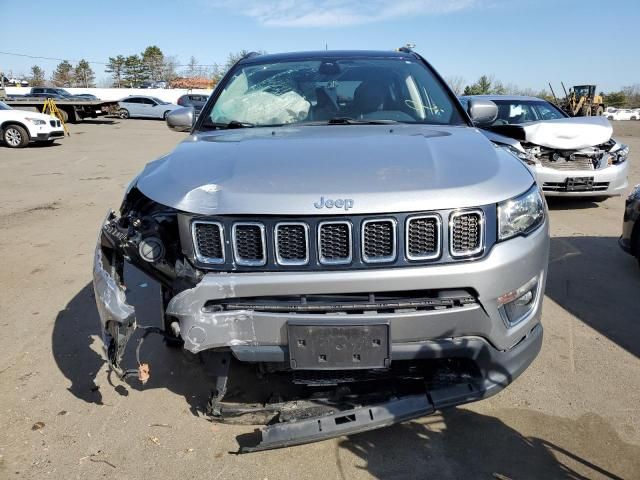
[[508, 98], [333, 54]]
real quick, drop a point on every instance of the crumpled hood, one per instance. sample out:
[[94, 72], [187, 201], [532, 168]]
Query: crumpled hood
[[287, 170], [561, 134]]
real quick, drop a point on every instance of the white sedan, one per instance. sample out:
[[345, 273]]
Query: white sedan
[[623, 114], [18, 127]]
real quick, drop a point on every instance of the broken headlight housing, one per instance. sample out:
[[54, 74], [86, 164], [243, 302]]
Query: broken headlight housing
[[521, 215], [618, 154], [519, 154]]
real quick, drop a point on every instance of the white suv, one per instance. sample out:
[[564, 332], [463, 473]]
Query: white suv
[[18, 127]]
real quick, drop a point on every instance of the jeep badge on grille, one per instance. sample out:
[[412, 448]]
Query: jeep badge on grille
[[345, 203]]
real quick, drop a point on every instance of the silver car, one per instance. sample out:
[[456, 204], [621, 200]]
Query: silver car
[[144, 107], [569, 156], [336, 223]]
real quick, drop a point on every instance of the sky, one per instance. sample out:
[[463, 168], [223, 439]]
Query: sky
[[523, 42]]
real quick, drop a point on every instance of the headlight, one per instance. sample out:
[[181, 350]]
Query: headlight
[[36, 121], [524, 156], [520, 215], [618, 155]]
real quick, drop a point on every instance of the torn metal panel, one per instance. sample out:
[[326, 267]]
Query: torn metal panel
[[561, 134], [111, 300]]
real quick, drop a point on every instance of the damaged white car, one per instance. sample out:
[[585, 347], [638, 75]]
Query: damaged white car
[[569, 156]]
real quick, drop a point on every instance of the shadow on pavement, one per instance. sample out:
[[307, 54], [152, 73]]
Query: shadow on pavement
[[79, 358], [573, 203], [593, 279], [464, 444]]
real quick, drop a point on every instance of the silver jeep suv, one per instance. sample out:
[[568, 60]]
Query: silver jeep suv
[[335, 220]]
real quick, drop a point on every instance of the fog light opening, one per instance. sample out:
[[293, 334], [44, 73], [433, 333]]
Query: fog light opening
[[515, 305]]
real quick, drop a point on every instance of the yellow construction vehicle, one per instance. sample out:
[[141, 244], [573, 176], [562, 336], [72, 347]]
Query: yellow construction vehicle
[[581, 101]]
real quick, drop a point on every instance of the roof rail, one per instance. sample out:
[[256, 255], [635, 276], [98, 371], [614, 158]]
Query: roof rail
[[408, 48]]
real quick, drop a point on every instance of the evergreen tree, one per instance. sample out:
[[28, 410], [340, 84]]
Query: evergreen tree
[[37, 77], [63, 75], [116, 67], [84, 75]]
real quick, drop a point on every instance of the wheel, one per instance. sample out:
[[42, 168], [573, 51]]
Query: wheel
[[164, 115], [15, 136], [64, 116], [634, 118], [123, 113]]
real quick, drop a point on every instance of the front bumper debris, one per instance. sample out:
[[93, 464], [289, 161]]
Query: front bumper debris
[[472, 332]]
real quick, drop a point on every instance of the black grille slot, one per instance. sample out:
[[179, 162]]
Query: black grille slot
[[248, 242], [335, 242], [378, 240], [423, 238], [466, 233], [292, 246], [208, 242]]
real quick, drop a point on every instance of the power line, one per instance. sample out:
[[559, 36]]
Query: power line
[[36, 57]]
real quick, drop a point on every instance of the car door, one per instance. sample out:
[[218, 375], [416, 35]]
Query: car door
[[147, 107], [131, 104]]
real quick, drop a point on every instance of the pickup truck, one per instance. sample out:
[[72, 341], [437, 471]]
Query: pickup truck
[[337, 224]]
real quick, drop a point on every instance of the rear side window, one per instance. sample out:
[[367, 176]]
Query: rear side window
[[132, 100]]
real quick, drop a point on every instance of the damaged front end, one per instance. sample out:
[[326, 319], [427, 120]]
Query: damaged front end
[[145, 235], [569, 156]]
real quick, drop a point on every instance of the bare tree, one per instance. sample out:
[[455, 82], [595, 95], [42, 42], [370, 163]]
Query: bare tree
[[456, 83]]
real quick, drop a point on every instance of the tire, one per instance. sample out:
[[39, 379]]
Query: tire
[[123, 113], [64, 116], [164, 115], [15, 136], [634, 118]]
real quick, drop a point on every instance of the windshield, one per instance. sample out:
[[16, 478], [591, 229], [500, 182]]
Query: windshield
[[514, 112], [4, 106], [368, 90]]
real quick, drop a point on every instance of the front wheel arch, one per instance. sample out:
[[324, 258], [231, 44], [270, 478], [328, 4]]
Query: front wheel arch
[[12, 123]]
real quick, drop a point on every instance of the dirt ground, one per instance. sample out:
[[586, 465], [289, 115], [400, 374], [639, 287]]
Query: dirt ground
[[575, 413]]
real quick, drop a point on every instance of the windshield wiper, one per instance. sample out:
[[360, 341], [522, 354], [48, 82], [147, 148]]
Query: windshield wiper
[[232, 124], [354, 121]]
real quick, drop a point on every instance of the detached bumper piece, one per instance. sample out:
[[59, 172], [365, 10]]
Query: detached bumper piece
[[346, 422]]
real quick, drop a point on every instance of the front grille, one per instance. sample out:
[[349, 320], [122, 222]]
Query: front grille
[[208, 239], [54, 123], [379, 240], [249, 244], [335, 242], [579, 163], [313, 242], [466, 233], [292, 243], [423, 237]]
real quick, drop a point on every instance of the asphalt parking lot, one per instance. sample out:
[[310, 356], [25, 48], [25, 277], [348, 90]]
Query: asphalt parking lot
[[575, 413]]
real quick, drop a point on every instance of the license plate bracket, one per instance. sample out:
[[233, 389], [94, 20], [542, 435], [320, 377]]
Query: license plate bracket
[[579, 184], [338, 346]]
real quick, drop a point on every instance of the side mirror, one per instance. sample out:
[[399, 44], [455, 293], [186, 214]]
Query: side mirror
[[482, 112], [181, 119]]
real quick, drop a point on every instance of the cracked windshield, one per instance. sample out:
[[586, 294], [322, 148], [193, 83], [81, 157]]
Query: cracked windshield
[[330, 91]]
